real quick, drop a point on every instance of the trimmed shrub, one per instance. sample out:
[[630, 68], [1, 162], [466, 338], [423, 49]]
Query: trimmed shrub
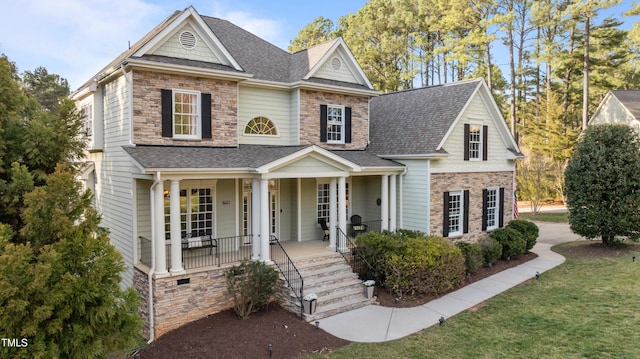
[[426, 265], [528, 229], [491, 250], [472, 256], [374, 246], [252, 285], [513, 243]]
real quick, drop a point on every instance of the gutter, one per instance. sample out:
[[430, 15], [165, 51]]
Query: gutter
[[153, 261], [401, 219]]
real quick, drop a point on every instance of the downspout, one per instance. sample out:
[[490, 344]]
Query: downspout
[[153, 259], [401, 194]]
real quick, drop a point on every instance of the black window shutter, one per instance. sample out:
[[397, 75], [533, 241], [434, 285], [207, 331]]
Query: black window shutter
[[167, 112], [347, 125], [323, 123], [501, 209], [466, 142], [445, 216], [465, 222], [206, 115], [484, 209], [485, 143]]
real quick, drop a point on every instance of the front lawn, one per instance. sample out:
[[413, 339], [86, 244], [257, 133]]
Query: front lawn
[[586, 308], [546, 217]]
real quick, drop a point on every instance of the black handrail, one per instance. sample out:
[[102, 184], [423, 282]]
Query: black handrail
[[288, 269], [349, 251]]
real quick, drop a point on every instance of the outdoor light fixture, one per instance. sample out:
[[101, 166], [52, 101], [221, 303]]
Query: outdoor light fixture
[[317, 324], [633, 258], [270, 350], [537, 275], [441, 320]]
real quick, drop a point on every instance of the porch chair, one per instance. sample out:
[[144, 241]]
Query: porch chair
[[356, 225], [325, 228]]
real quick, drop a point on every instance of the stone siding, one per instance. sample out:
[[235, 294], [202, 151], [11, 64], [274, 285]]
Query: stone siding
[[141, 285], [147, 109], [310, 102], [176, 305], [474, 182]]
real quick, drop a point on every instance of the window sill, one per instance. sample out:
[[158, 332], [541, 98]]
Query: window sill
[[455, 235]]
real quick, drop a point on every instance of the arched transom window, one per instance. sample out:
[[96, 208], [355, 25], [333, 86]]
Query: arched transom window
[[260, 126]]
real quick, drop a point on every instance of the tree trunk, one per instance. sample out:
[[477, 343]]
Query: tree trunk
[[585, 90]]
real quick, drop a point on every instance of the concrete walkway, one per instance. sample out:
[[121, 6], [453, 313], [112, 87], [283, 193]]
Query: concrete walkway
[[378, 324]]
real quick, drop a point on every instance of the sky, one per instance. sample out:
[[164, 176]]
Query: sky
[[77, 38]]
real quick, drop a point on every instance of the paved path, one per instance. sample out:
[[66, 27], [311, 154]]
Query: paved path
[[375, 323]]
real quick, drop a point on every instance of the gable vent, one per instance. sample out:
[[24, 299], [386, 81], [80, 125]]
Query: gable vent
[[188, 40], [336, 64]]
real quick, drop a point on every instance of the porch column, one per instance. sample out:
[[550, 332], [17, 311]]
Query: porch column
[[342, 209], [333, 212], [176, 240], [264, 220], [158, 230], [255, 219], [392, 203], [384, 205]]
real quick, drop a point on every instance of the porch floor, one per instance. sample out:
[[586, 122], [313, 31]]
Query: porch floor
[[304, 249]]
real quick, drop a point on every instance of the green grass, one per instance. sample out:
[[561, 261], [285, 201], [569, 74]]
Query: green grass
[[585, 308], [546, 217]]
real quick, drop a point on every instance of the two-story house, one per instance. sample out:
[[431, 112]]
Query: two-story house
[[207, 143]]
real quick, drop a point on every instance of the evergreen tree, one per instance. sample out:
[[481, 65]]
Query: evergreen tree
[[316, 32], [602, 184]]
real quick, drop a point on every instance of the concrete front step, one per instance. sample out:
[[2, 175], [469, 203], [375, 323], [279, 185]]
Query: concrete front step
[[328, 310]]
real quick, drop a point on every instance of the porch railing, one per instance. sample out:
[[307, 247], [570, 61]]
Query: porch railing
[[202, 252], [349, 250], [374, 225], [288, 269]]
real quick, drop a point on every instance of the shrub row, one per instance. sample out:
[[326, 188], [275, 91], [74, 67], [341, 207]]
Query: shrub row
[[409, 263]]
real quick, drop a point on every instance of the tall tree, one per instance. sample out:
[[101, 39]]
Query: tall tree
[[316, 32], [46, 88]]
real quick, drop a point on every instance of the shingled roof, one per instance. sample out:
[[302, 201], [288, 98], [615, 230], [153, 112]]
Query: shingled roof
[[630, 99], [414, 122]]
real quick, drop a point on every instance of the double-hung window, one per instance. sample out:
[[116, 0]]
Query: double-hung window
[[492, 208], [475, 142], [196, 213], [335, 124], [186, 114], [87, 113], [324, 200], [455, 213]]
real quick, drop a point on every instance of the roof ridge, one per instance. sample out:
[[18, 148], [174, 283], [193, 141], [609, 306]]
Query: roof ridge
[[448, 84]]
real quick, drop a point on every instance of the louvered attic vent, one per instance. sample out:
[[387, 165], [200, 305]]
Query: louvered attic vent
[[188, 40]]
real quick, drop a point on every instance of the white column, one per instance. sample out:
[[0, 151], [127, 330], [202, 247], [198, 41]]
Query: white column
[[264, 220], [384, 205], [176, 238], [342, 209], [158, 223], [255, 219], [392, 202], [333, 212]]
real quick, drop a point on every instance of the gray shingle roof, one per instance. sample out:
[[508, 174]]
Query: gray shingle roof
[[630, 99], [414, 122], [242, 157]]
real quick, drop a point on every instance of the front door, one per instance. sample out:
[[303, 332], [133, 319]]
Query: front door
[[274, 213]]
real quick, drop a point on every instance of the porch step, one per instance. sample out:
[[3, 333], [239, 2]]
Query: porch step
[[330, 277]]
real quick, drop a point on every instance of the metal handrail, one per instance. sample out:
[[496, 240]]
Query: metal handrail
[[288, 269], [349, 251]]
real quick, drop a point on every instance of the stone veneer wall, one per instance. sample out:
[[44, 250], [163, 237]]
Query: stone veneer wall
[[141, 285], [475, 182], [147, 109], [310, 102]]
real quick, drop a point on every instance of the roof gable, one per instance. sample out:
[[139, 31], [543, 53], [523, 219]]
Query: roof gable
[[209, 48], [630, 99], [321, 60]]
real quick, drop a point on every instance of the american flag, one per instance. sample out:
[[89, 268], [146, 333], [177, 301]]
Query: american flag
[[515, 206]]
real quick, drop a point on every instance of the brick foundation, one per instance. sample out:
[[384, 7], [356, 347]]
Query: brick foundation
[[474, 182]]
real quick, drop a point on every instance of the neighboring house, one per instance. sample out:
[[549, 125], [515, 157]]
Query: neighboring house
[[204, 137], [620, 106], [459, 157]]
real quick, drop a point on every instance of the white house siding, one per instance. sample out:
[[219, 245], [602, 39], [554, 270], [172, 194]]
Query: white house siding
[[114, 169], [143, 208], [225, 206], [326, 71], [612, 111], [415, 195], [294, 116], [288, 208], [172, 48], [307, 165], [364, 191], [497, 154], [272, 104], [310, 229]]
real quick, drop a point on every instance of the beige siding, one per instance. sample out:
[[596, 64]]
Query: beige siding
[[288, 209], [326, 71], [172, 48], [143, 208], [612, 111], [269, 103], [415, 193], [497, 160], [294, 116], [307, 165], [310, 229], [364, 193], [114, 188]]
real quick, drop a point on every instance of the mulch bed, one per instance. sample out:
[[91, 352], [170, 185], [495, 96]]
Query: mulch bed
[[223, 335]]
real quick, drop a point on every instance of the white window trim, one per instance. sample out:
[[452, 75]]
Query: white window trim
[[188, 210], [342, 125], [480, 144], [198, 118], [87, 124], [458, 233], [349, 193], [497, 208], [260, 135]]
